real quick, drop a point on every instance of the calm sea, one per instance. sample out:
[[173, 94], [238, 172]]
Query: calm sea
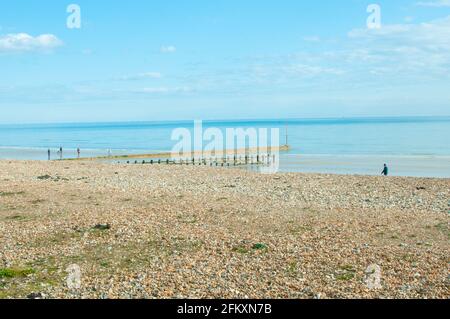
[[416, 146]]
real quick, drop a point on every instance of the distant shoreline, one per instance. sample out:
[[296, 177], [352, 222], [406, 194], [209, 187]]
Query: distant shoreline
[[241, 152], [419, 166], [389, 135]]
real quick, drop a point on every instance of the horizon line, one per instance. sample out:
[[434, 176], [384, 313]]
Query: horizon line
[[287, 120]]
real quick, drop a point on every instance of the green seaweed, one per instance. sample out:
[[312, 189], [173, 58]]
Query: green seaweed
[[260, 246], [15, 272]]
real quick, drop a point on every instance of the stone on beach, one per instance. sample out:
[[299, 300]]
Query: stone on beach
[[143, 231]]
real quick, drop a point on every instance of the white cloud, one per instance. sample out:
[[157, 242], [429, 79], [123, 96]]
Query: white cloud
[[310, 70], [163, 90], [311, 39], [168, 49], [436, 3], [400, 53], [141, 76], [288, 71], [23, 42], [434, 34], [421, 48]]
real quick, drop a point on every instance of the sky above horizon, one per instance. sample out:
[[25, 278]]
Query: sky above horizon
[[222, 59]]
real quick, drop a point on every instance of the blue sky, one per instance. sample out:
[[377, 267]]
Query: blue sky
[[222, 59]]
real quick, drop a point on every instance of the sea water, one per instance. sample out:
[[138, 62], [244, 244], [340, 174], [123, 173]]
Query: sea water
[[412, 146]]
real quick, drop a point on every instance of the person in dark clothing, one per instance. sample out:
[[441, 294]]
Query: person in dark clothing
[[48, 152], [60, 153], [385, 171], [78, 152]]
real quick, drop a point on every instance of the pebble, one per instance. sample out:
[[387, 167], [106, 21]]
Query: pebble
[[140, 231]]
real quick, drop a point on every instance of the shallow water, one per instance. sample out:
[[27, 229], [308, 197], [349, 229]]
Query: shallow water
[[411, 146], [417, 166]]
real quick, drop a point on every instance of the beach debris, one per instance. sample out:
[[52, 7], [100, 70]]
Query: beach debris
[[241, 249], [260, 246], [345, 273], [15, 273], [102, 227], [55, 179], [372, 278], [11, 193], [36, 295], [44, 177]]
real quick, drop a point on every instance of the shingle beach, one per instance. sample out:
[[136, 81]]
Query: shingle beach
[[168, 231]]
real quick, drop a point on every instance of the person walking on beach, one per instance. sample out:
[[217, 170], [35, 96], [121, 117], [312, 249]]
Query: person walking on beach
[[48, 153], [78, 152], [385, 171], [60, 153]]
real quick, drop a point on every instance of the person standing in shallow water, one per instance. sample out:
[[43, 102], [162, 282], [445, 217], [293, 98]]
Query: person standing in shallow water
[[385, 171], [78, 152], [48, 153], [60, 153]]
